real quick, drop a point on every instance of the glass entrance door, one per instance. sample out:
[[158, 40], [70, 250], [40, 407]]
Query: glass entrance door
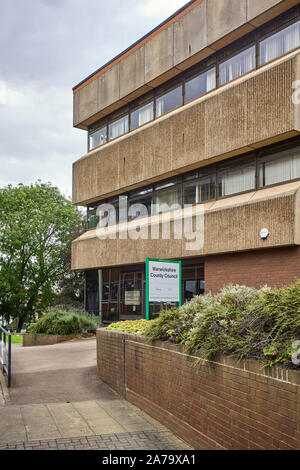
[[132, 296]]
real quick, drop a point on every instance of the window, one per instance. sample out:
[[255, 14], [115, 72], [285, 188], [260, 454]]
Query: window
[[92, 217], [237, 66], [92, 293], [114, 291], [277, 169], [169, 101], [142, 115], [167, 196], [200, 85], [280, 43], [118, 127], [105, 292], [143, 197], [98, 138], [109, 212], [230, 65], [200, 191], [236, 179], [190, 289]]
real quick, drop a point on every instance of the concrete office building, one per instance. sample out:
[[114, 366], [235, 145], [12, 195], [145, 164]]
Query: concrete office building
[[203, 110]]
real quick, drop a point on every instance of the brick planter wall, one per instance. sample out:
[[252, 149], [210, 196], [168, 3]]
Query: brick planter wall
[[223, 404], [44, 340]]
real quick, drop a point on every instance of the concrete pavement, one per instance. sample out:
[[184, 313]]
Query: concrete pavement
[[58, 401], [30, 426], [58, 373]]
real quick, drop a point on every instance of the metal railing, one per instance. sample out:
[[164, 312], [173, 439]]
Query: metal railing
[[5, 353]]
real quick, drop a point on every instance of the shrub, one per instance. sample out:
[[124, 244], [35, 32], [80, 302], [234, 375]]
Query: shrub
[[248, 323], [136, 326], [175, 323], [61, 322]]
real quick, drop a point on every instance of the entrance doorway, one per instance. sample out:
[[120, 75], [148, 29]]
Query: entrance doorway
[[132, 295], [119, 293]]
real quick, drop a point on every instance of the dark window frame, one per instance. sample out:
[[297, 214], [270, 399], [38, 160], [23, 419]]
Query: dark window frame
[[136, 108], [273, 33], [209, 170], [195, 75], [161, 92], [254, 38], [240, 51], [115, 119]]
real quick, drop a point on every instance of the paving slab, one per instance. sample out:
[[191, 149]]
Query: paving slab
[[39, 423], [100, 421], [12, 427], [58, 401]]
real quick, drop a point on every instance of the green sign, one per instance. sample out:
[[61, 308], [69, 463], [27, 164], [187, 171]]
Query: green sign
[[163, 282]]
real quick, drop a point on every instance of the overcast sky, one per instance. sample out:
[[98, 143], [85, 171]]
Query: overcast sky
[[47, 47]]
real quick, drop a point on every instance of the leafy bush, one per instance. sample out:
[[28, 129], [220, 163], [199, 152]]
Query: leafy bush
[[136, 326], [61, 322], [261, 324]]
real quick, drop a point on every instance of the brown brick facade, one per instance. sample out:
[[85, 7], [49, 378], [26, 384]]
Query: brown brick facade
[[219, 405], [274, 267]]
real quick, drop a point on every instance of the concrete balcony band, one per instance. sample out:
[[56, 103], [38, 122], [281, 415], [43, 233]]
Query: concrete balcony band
[[253, 111], [200, 29], [230, 225]]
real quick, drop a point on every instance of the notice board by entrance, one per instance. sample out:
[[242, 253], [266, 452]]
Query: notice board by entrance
[[163, 282]]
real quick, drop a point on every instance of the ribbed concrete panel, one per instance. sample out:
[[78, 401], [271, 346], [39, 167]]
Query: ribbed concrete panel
[[204, 28], [249, 113], [230, 225]]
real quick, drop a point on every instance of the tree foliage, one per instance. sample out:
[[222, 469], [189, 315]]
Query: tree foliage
[[36, 228]]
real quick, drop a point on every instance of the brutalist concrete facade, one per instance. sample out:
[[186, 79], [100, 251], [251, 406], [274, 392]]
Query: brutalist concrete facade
[[248, 114]]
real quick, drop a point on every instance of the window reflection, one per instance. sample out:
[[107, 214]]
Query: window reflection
[[236, 179], [200, 85], [216, 181], [167, 199], [280, 43], [201, 191], [141, 115], [118, 128], [283, 41], [283, 167], [238, 65], [98, 138], [169, 101]]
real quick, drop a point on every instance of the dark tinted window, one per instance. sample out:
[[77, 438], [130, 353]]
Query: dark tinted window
[[169, 101]]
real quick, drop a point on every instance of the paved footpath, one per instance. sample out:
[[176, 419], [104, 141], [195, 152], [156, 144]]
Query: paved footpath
[[57, 401]]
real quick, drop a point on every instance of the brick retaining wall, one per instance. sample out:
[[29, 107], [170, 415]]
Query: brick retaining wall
[[44, 340], [223, 404]]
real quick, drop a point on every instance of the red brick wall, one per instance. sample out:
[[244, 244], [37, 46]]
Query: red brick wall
[[110, 347], [274, 267], [219, 405]]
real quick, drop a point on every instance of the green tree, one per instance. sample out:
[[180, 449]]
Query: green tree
[[36, 229], [71, 286]]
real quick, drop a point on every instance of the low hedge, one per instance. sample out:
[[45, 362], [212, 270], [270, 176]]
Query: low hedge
[[130, 326], [61, 322], [259, 324]]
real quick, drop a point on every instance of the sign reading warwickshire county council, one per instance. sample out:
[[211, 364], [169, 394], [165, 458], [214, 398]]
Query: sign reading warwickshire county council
[[163, 280]]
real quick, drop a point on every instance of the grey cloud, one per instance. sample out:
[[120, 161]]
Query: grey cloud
[[47, 47]]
